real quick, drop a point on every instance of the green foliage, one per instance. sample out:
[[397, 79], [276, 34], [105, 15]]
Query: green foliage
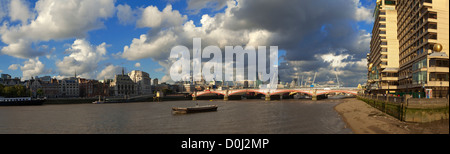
[[14, 91], [40, 92], [1, 89]]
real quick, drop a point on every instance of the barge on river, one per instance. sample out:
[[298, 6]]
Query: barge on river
[[206, 108], [21, 101]]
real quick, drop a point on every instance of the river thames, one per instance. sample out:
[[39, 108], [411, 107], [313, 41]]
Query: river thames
[[232, 117]]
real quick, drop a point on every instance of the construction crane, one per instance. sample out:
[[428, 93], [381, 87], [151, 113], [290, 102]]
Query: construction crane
[[337, 78], [314, 78]]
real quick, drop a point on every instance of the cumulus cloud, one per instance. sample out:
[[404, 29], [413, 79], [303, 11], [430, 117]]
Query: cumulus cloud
[[83, 59], [363, 13], [19, 11], [13, 67], [336, 61], [194, 6], [54, 20], [152, 17], [125, 14], [304, 29], [3, 8], [108, 72], [21, 49], [350, 73], [137, 65], [31, 68]]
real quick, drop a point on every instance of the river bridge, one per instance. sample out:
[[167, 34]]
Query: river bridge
[[313, 92]]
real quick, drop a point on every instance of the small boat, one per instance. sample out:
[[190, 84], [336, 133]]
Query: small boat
[[107, 101], [98, 102], [195, 109]]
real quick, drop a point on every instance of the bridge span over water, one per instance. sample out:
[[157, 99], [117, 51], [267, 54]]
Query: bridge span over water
[[313, 92]]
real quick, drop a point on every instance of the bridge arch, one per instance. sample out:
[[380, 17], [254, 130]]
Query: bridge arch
[[339, 91], [243, 91], [206, 93], [291, 90]]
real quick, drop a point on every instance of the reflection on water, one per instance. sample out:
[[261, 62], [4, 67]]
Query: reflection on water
[[240, 117]]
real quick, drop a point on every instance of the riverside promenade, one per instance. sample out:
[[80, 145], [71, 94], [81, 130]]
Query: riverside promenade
[[362, 118]]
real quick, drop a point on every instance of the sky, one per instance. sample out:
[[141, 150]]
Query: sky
[[97, 38]]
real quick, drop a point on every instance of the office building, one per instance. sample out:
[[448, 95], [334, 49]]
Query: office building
[[383, 59], [422, 25]]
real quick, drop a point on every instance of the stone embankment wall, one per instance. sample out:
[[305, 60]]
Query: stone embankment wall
[[410, 109]]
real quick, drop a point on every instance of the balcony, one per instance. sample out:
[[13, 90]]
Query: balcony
[[384, 57], [438, 83], [390, 87], [383, 64], [432, 17], [438, 65], [427, 3], [430, 40], [389, 79], [438, 69]]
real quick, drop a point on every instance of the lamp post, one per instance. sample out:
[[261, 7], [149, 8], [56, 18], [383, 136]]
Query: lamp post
[[438, 48], [388, 87]]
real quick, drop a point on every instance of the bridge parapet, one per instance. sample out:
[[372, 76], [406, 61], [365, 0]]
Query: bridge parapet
[[309, 91]]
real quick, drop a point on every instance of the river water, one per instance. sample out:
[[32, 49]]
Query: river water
[[236, 117]]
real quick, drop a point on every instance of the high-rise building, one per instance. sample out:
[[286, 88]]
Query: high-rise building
[[155, 82], [383, 59], [422, 24]]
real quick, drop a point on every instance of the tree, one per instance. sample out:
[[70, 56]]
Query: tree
[[20, 91], [40, 92], [1, 89], [14, 91], [9, 91]]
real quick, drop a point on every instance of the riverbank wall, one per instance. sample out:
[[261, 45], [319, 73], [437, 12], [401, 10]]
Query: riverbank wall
[[410, 109], [70, 100]]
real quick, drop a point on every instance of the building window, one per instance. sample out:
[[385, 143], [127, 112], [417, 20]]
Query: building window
[[420, 64], [438, 63], [436, 76], [420, 77]]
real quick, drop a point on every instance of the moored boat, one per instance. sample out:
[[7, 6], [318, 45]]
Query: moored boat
[[20, 101], [98, 102], [195, 109], [107, 101]]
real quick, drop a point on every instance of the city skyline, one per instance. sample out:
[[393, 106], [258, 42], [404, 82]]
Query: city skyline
[[39, 39]]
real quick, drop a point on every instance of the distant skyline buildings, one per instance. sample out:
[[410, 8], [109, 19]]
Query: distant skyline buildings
[[39, 39]]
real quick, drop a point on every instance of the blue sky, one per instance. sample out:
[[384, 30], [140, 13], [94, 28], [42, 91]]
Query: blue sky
[[116, 35]]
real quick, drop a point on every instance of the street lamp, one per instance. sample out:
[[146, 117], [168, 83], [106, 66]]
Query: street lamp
[[388, 87], [438, 48], [423, 88]]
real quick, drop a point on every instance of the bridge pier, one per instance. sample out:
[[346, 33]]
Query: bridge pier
[[194, 98], [268, 96], [314, 96], [225, 97]]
